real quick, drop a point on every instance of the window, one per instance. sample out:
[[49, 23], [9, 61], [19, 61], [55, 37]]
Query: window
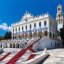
[[19, 28], [34, 24], [58, 9], [19, 36], [39, 24], [26, 27], [45, 23], [59, 15], [59, 19], [13, 30], [22, 27], [50, 34], [45, 33], [51, 43], [53, 35], [16, 29], [30, 26], [26, 19]]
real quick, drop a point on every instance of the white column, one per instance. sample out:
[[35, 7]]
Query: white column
[[12, 45], [37, 34], [28, 34], [32, 34]]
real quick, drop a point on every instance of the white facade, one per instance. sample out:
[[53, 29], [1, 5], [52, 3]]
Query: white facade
[[36, 27], [30, 25]]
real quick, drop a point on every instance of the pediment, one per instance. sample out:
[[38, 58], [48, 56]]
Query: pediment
[[26, 16]]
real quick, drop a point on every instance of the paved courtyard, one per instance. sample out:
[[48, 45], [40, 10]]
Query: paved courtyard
[[56, 56]]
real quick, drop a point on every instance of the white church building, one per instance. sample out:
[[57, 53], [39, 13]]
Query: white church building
[[30, 27]]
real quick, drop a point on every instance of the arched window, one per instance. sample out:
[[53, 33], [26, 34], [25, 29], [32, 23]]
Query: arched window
[[1, 45], [45, 33], [59, 15], [26, 19], [16, 30], [26, 27], [17, 45], [53, 35], [13, 30], [59, 9], [39, 24], [22, 28], [50, 34], [19, 36], [13, 45], [19, 28], [30, 26], [34, 24], [45, 23], [10, 45]]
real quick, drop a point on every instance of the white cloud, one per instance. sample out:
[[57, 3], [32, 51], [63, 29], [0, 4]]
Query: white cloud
[[4, 24], [5, 27]]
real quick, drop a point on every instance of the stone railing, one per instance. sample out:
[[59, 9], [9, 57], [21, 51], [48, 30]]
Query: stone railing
[[32, 41], [37, 59], [11, 49]]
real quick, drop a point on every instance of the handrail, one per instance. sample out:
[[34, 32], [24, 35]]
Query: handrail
[[33, 41], [37, 59]]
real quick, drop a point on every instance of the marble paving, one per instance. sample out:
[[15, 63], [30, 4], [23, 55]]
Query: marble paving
[[56, 57]]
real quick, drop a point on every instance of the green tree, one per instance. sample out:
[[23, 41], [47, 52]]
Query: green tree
[[7, 35], [1, 37], [62, 34]]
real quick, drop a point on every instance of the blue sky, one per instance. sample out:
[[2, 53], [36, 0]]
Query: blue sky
[[12, 10]]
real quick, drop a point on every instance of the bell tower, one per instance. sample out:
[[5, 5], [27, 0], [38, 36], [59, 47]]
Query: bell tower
[[59, 17]]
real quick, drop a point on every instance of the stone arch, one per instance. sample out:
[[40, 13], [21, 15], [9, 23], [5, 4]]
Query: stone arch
[[17, 45], [35, 34], [1, 45], [21, 45], [19, 36], [45, 33], [40, 34], [26, 35], [13, 45], [30, 35], [22, 35], [10, 45]]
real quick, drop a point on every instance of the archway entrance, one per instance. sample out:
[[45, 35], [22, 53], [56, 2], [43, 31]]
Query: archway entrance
[[40, 34], [45, 33], [30, 35], [26, 35], [1, 45], [13, 45], [17, 45], [35, 34], [19, 36], [22, 35], [10, 45]]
